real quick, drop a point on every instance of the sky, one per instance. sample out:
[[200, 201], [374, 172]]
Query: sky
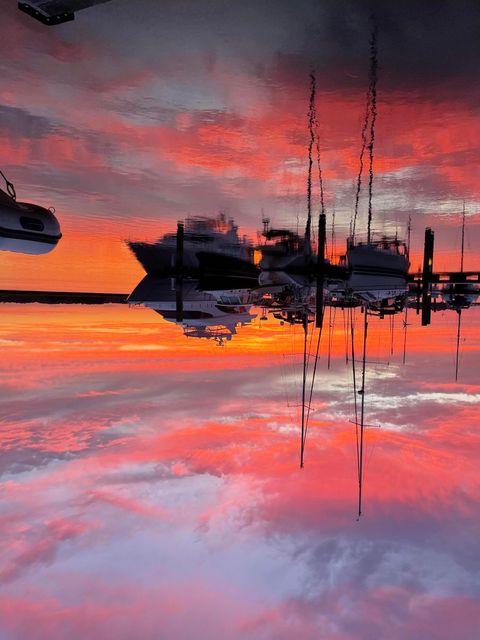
[[149, 484], [136, 115]]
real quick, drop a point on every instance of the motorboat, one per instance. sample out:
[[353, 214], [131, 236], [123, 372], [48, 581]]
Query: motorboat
[[284, 250], [377, 271], [212, 237], [26, 227], [388, 256]]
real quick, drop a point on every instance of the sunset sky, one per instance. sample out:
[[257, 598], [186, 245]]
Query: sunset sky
[[149, 483]]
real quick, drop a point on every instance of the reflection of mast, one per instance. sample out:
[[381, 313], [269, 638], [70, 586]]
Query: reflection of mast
[[304, 381], [362, 412], [459, 312], [459, 309], [405, 320], [320, 270], [311, 129], [372, 104]]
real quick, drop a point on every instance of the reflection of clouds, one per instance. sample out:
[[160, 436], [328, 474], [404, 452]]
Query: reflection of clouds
[[182, 469], [165, 129]]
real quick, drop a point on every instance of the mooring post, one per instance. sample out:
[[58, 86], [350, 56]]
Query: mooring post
[[179, 273], [427, 277]]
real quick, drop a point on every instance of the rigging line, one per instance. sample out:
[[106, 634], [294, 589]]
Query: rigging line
[[310, 343], [370, 455], [330, 336], [392, 329], [409, 231], [332, 248], [345, 333], [331, 326], [360, 167], [313, 378], [362, 411], [319, 165], [405, 325], [302, 442], [354, 376], [373, 93], [463, 238]]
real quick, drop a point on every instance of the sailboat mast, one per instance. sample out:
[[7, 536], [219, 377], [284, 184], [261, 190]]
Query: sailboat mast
[[311, 129], [373, 107], [463, 238]]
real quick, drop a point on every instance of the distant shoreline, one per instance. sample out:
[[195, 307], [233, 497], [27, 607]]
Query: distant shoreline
[[61, 297]]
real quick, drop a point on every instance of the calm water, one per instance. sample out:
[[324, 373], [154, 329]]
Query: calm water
[[150, 485]]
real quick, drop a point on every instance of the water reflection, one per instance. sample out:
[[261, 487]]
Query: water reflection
[[205, 268], [208, 309], [295, 285]]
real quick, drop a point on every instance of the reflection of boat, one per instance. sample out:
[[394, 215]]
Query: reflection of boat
[[26, 227], [461, 295], [217, 236], [214, 313]]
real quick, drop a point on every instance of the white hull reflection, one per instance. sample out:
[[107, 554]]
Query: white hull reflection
[[210, 314]]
